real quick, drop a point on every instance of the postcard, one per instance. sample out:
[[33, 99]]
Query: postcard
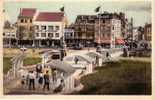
[[77, 48]]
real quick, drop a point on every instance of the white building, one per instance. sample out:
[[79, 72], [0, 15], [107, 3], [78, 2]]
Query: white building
[[49, 28], [9, 36]]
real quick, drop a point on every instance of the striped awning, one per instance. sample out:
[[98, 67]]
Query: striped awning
[[120, 41]]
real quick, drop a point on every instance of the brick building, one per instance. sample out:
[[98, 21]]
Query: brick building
[[84, 28], [25, 26], [87, 29], [110, 30]]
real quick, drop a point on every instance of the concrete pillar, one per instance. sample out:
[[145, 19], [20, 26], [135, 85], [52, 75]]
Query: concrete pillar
[[21, 63], [14, 70], [52, 43]]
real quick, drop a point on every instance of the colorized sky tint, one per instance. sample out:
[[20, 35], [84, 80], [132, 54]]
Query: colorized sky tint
[[140, 10]]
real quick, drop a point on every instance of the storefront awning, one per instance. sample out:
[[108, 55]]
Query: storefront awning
[[103, 40], [120, 41]]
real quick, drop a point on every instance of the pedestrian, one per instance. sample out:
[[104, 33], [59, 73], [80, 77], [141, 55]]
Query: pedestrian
[[97, 61], [27, 79], [38, 70], [108, 55], [40, 80], [31, 80], [54, 71], [46, 81], [60, 85], [76, 60]]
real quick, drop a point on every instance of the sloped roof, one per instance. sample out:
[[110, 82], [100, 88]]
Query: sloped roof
[[27, 12], [50, 16], [67, 68], [94, 54], [79, 57]]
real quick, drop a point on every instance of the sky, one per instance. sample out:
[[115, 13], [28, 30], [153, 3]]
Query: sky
[[139, 10]]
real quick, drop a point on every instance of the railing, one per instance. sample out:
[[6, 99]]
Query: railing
[[13, 72], [8, 77]]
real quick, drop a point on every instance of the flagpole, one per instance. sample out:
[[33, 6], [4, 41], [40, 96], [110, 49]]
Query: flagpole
[[63, 40], [63, 28], [99, 28]]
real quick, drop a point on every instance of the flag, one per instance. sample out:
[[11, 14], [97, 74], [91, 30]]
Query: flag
[[97, 9], [62, 9], [3, 10]]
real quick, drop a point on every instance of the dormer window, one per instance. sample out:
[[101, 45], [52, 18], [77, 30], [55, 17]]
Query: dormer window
[[30, 20], [22, 20], [43, 27]]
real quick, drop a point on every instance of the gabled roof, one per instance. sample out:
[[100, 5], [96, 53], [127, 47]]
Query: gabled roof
[[79, 57], [27, 12], [50, 16], [61, 65], [94, 54]]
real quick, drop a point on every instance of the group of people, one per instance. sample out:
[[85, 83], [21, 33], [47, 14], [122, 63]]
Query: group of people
[[40, 77]]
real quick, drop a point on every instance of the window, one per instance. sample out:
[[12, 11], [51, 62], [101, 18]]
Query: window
[[103, 21], [37, 34], [71, 34], [22, 20], [113, 27], [57, 27], [25, 20], [37, 27], [50, 34], [43, 27], [50, 28], [31, 28], [43, 34], [30, 20], [57, 35]]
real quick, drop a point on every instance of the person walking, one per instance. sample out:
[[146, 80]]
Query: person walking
[[27, 79], [31, 80], [38, 70], [76, 60], [54, 72], [46, 81], [108, 55], [40, 80]]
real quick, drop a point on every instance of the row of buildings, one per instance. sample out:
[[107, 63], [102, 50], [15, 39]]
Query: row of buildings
[[34, 28]]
